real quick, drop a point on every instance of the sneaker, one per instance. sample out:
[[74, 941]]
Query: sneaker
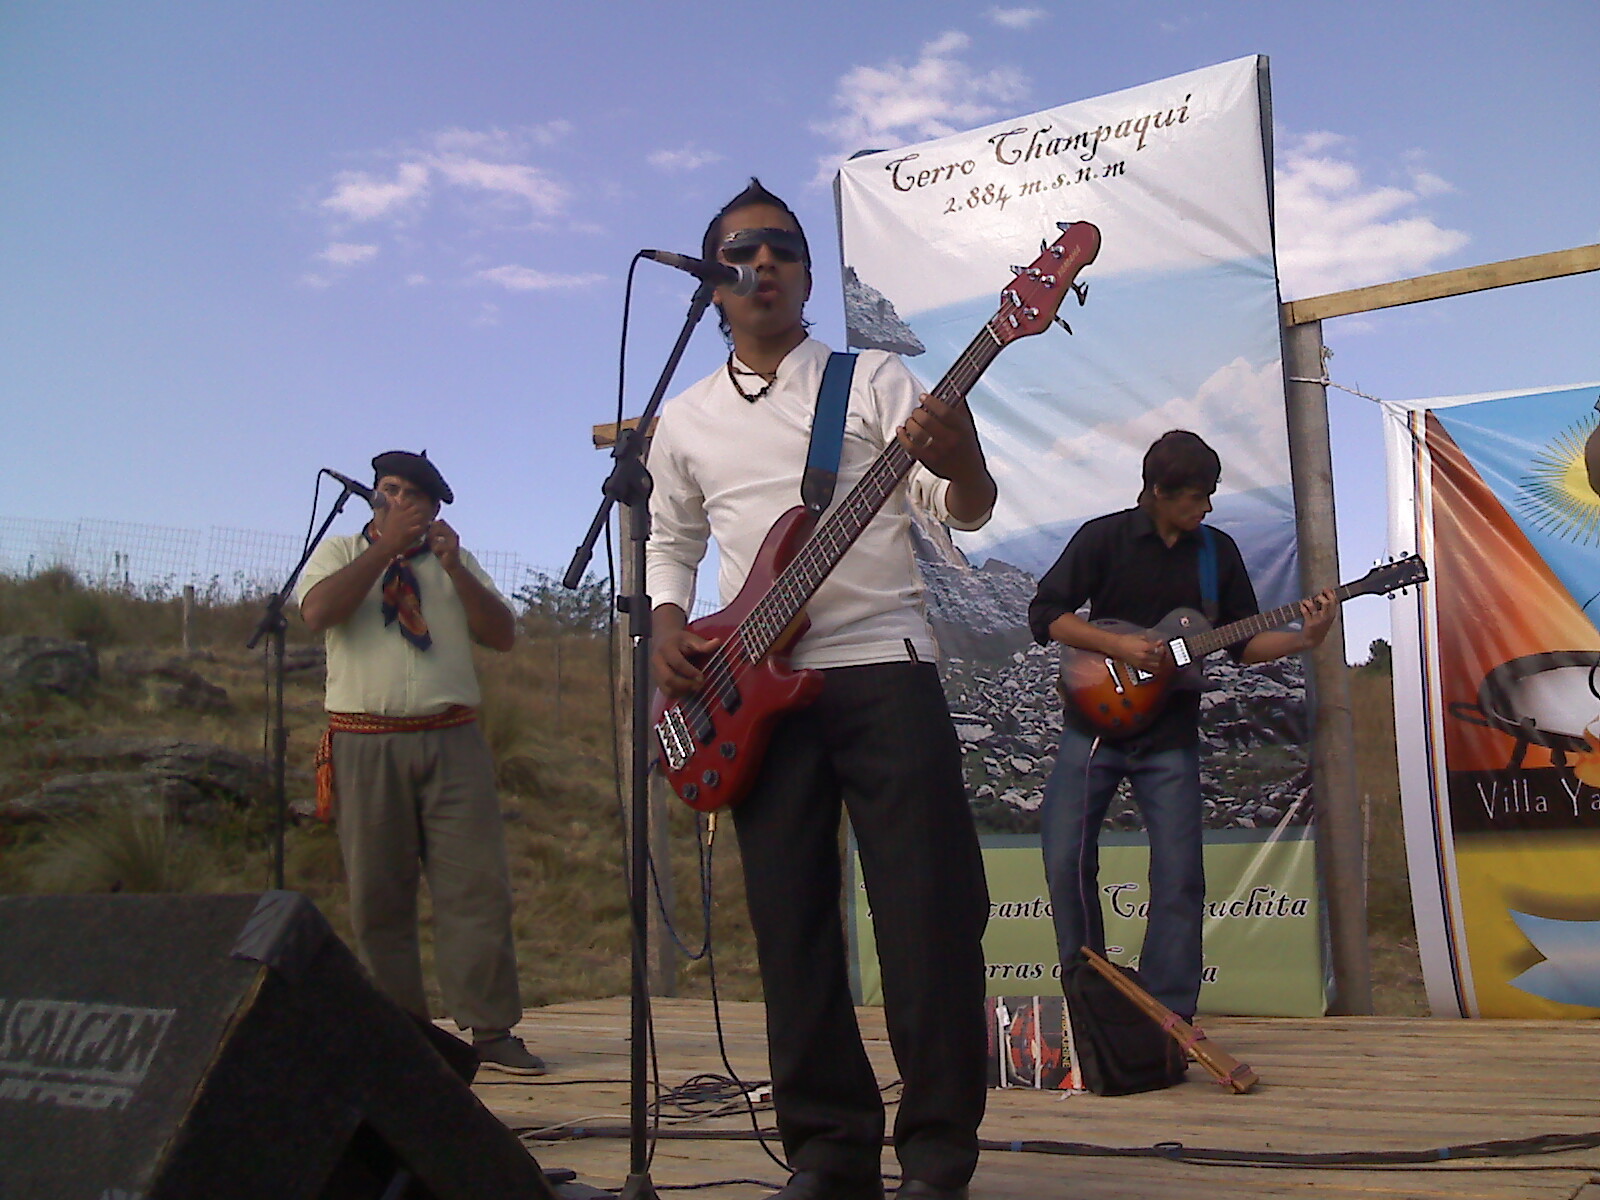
[[507, 1053]]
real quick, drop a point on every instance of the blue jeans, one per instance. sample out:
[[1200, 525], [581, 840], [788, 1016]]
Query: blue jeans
[[1166, 788]]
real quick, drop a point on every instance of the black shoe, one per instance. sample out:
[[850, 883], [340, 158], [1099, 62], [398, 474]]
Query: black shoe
[[814, 1185], [507, 1053], [917, 1189]]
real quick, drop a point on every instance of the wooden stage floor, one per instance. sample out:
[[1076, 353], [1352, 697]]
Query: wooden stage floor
[[1336, 1084]]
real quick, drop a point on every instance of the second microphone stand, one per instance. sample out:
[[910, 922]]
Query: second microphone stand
[[629, 483], [273, 624]]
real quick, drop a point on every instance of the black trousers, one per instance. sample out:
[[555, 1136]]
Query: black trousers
[[880, 740]]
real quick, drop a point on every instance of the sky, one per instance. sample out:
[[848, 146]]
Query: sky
[[244, 242]]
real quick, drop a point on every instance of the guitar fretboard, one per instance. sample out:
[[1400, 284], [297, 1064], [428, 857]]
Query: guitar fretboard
[[1202, 644], [798, 582]]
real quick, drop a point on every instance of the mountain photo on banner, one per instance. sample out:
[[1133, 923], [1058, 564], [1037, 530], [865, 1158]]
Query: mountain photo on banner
[[1178, 330]]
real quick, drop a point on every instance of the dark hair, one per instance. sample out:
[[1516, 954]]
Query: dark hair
[[1177, 460], [753, 194]]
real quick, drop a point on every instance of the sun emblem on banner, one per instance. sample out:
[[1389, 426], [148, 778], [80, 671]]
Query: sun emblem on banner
[[1556, 497]]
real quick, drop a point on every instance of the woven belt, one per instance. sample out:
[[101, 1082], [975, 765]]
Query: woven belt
[[327, 788]]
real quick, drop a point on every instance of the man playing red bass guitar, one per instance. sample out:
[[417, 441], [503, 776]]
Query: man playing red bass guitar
[[727, 458]]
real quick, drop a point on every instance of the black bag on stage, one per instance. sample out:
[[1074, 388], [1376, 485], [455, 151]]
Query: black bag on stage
[[1120, 1049]]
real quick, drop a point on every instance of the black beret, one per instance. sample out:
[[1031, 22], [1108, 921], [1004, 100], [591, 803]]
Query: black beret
[[413, 468]]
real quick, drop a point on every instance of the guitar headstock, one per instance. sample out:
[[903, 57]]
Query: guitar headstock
[[1391, 577], [1030, 303]]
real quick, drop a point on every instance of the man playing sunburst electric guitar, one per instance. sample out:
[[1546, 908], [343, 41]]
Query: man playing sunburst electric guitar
[[1136, 566]]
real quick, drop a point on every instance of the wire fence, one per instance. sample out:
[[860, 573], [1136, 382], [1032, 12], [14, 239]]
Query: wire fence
[[158, 561]]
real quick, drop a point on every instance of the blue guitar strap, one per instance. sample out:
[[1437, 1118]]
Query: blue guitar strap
[[1208, 573], [827, 434]]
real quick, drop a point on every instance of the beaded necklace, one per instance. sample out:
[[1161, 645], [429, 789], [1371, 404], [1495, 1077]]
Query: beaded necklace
[[752, 397]]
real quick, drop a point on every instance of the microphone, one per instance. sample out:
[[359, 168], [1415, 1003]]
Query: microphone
[[740, 280], [375, 498]]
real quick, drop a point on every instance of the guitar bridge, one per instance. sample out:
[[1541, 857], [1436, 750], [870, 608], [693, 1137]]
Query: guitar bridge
[[677, 744]]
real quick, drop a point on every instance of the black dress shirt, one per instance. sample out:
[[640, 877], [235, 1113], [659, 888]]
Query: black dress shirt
[[1122, 569]]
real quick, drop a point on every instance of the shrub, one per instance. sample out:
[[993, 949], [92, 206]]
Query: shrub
[[124, 850]]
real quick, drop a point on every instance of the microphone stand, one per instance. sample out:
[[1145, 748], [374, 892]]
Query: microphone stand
[[629, 483], [274, 624]]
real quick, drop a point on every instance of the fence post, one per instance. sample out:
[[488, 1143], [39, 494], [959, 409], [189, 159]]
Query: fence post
[[188, 616], [1341, 851], [558, 683]]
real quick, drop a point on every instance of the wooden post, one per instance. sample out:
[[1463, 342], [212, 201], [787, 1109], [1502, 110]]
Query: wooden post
[[188, 616], [662, 965], [1341, 852]]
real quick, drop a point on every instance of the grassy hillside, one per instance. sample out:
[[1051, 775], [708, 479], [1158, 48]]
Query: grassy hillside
[[546, 714], [547, 717]]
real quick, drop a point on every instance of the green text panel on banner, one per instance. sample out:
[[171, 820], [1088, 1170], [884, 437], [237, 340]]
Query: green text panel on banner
[[1179, 330]]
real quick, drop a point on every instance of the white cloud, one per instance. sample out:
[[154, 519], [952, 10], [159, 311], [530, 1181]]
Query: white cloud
[[347, 254], [1335, 231], [359, 196], [467, 163], [1016, 18], [893, 103], [429, 196], [506, 180], [527, 279], [550, 132], [686, 159], [1239, 408]]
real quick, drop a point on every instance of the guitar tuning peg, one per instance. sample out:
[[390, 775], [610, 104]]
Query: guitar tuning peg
[[1081, 291], [1062, 323], [1019, 270], [1044, 246], [1064, 225]]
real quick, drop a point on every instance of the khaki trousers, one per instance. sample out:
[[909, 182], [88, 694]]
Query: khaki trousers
[[425, 802]]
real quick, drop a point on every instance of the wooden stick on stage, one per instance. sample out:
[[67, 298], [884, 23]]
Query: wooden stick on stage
[[1227, 1070]]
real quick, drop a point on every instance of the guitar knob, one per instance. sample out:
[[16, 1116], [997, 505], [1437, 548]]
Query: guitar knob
[[710, 778], [690, 793], [728, 750]]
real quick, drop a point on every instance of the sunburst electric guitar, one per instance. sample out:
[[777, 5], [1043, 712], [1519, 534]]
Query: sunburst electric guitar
[[1119, 700], [711, 742]]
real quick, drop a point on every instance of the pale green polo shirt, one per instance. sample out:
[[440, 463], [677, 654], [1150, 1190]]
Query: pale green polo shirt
[[371, 667]]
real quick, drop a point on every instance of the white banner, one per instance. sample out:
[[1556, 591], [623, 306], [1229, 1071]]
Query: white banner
[[1179, 330]]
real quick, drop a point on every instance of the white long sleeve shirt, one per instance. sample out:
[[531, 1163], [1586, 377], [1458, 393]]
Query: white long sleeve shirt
[[727, 468]]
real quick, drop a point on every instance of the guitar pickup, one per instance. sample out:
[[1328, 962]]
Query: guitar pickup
[[701, 725], [1116, 679], [1180, 652]]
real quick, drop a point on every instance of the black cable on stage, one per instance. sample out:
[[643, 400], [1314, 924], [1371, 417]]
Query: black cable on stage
[[716, 1001], [1457, 1157]]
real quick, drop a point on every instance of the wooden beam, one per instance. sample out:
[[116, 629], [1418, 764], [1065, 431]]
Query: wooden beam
[[605, 436], [1447, 283]]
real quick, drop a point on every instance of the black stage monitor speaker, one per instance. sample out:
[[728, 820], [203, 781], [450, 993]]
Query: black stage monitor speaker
[[225, 1048]]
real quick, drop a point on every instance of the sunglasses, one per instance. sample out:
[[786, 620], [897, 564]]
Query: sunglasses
[[743, 245]]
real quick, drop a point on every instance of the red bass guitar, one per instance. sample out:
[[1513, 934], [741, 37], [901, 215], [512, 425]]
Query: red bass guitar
[[1119, 700], [712, 741]]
